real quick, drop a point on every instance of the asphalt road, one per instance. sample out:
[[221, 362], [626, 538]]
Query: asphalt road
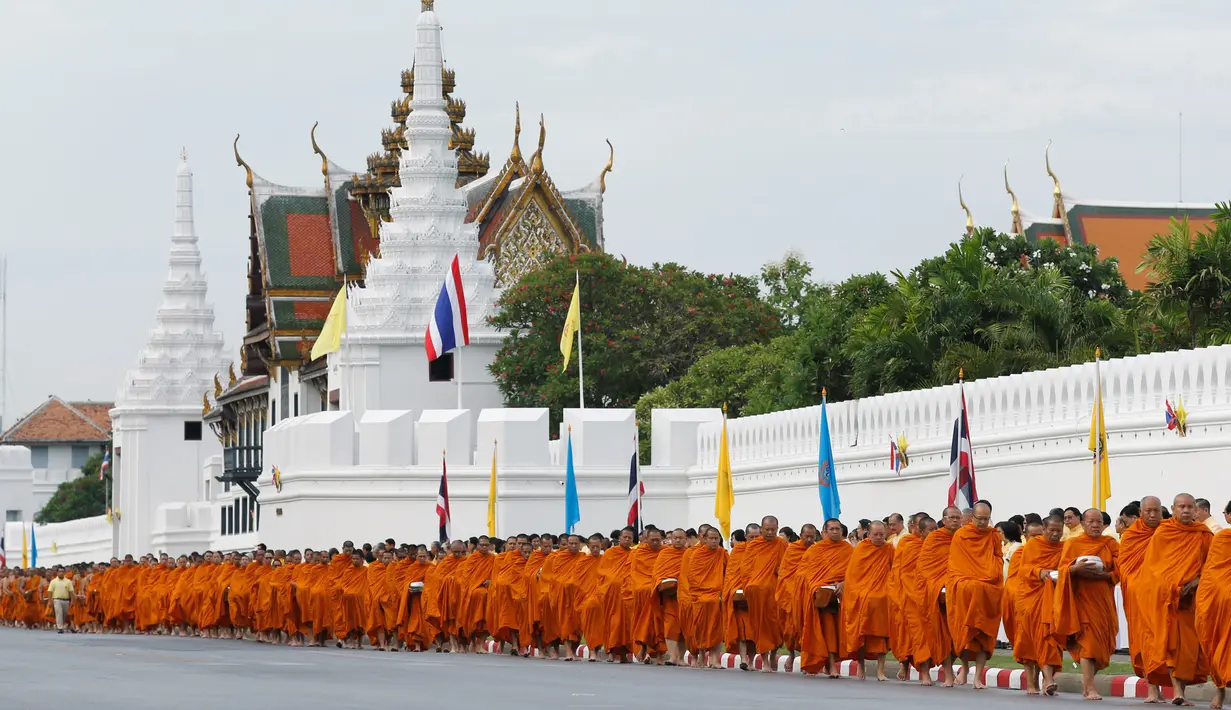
[[40, 670]]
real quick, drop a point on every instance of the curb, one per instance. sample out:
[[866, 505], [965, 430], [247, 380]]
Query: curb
[[1119, 686]]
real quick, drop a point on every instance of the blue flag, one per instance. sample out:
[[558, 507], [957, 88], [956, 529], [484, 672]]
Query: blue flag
[[826, 477], [572, 508], [33, 548]]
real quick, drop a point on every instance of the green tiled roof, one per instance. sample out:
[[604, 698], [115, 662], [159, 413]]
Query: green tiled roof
[[298, 243]]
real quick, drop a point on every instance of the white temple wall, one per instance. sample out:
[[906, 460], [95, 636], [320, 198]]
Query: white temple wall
[[85, 540], [156, 467], [16, 485]]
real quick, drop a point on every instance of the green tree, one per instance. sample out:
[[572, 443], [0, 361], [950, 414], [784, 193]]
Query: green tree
[[641, 328], [787, 287], [83, 497], [1190, 279]]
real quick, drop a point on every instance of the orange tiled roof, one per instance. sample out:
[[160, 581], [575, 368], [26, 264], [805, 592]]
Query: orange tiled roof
[[57, 420]]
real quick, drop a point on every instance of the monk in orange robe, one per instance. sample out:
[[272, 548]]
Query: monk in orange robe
[[381, 609], [865, 601], [735, 618], [443, 594], [1173, 565], [934, 571], [585, 580], [618, 642], [472, 618], [413, 625], [283, 615], [1084, 611], [1214, 610], [1034, 644], [791, 613], [760, 584], [531, 629], [259, 599], [975, 590], [823, 570], [907, 631], [353, 607], [239, 597], [505, 598], [1134, 542], [641, 597], [558, 619], [306, 577], [668, 566], [700, 593]]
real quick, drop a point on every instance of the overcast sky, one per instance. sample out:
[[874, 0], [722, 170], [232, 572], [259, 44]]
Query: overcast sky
[[742, 129]]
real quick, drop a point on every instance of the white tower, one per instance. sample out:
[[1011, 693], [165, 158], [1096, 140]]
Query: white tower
[[383, 364], [159, 440]]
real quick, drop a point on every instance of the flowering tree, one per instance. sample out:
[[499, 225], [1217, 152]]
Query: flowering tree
[[641, 328]]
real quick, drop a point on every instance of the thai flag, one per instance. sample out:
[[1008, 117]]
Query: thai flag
[[962, 462], [442, 503], [894, 464], [448, 329], [106, 464], [1172, 420], [636, 489]]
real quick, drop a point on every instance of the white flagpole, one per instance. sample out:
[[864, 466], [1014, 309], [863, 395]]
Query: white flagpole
[[581, 387], [458, 361], [636, 452]]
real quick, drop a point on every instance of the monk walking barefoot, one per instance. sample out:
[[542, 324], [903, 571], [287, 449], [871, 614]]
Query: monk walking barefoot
[[975, 591], [1084, 614], [1214, 611]]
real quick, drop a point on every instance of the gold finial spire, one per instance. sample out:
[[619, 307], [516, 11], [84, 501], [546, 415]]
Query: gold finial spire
[[970, 220], [1097, 353], [217, 387], [516, 154], [536, 163], [207, 408], [824, 392], [961, 374], [427, 5], [1047, 162], [240, 161], [602, 177], [1014, 210], [317, 149], [231, 375]]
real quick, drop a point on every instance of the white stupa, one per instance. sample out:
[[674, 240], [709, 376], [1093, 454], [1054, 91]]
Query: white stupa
[[157, 417], [382, 364]]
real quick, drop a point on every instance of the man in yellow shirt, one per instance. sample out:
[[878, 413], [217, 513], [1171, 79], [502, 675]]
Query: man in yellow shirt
[[60, 592], [1204, 517]]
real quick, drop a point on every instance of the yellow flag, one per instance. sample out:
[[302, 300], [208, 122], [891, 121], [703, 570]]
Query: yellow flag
[[25, 553], [572, 324], [330, 339], [491, 498], [724, 498], [1101, 484]]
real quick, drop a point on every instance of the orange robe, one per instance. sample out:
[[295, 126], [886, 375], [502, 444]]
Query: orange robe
[[440, 603], [619, 630], [1214, 608], [865, 600], [413, 626], [975, 589], [239, 599], [668, 566], [1084, 611], [472, 618], [531, 618], [557, 617], [789, 613], [305, 579], [701, 597], [734, 625], [258, 600], [1008, 616], [214, 585], [1033, 639], [382, 609], [823, 565], [506, 597], [352, 611], [934, 573], [583, 584], [642, 601], [759, 574], [1134, 542], [906, 625], [1175, 556]]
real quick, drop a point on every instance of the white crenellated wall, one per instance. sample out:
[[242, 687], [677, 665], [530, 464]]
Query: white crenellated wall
[[85, 540]]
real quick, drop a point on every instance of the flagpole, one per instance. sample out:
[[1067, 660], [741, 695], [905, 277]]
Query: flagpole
[[581, 387], [458, 353], [637, 457]]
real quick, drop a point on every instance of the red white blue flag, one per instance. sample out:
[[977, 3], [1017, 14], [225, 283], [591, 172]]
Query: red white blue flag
[[442, 504], [962, 462], [636, 489], [448, 329]]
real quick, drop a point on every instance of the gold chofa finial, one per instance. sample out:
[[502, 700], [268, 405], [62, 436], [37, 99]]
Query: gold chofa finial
[[184, 154], [536, 163], [217, 387], [205, 410], [516, 154], [427, 5], [970, 220], [317, 149], [1047, 162], [1014, 211], [602, 177], [240, 161], [232, 379]]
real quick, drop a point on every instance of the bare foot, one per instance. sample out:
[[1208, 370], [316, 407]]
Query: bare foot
[[860, 674], [925, 680], [1220, 694], [978, 685], [902, 672], [881, 677], [1032, 692], [1092, 695]]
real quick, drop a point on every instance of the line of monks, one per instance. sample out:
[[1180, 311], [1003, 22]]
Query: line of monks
[[931, 594]]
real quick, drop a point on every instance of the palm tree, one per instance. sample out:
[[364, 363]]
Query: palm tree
[[1191, 274]]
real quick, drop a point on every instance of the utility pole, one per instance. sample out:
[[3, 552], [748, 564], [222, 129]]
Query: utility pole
[[4, 340]]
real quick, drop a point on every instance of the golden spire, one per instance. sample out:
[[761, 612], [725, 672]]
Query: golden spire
[[231, 375], [1047, 162], [317, 149], [240, 161], [427, 5], [536, 163], [205, 410], [602, 177], [217, 387], [1014, 210], [970, 220], [516, 154]]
